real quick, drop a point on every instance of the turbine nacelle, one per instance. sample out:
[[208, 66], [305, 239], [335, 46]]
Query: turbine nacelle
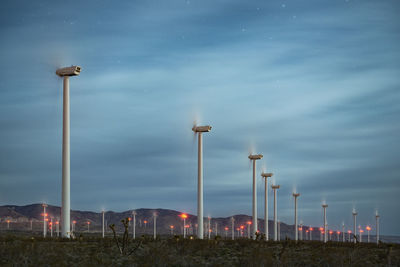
[[201, 129], [325, 205], [266, 175], [255, 156], [275, 186], [69, 71], [296, 194]]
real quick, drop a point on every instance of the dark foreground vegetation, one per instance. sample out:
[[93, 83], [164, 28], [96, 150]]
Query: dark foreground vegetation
[[176, 251]]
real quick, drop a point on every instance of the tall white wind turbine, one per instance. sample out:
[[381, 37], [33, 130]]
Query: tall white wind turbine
[[266, 175], [66, 201], [275, 187], [255, 157], [199, 130], [296, 232]]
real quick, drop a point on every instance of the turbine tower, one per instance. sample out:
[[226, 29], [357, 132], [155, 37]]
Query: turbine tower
[[325, 226], [255, 227], [377, 228], [134, 224], [275, 187], [296, 235], [44, 205], [102, 213], [355, 226], [66, 201], [200, 130], [155, 225], [233, 227], [266, 175]]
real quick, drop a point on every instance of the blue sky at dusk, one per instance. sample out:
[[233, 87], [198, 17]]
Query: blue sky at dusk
[[312, 85]]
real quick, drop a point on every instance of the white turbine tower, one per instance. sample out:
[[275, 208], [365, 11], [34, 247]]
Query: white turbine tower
[[266, 175], [200, 130], [155, 224], [134, 223], [102, 213], [377, 228], [66, 201], [296, 232], [255, 227], [324, 206], [354, 226], [275, 187], [44, 205], [233, 227]]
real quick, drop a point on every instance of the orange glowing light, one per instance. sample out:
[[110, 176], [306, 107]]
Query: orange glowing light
[[129, 219], [311, 229], [183, 215], [242, 227], [330, 232], [306, 231], [249, 222], [321, 229], [8, 221], [210, 230], [338, 232], [187, 226], [238, 229], [368, 228], [361, 231], [57, 222], [226, 228], [300, 229], [171, 226], [46, 220], [88, 222], [349, 232], [73, 222], [144, 221]]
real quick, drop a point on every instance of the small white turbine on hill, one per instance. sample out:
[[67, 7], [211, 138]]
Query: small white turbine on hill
[[324, 206]]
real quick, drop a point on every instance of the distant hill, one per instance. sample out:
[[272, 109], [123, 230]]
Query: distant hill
[[20, 218]]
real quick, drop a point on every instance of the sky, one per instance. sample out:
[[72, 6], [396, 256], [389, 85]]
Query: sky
[[312, 85]]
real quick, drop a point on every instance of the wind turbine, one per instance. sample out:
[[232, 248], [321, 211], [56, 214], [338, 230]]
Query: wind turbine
[[44, 205], [199, 130], [255, 157], [134, 224], [58, 227], [233, 227], [209, 227], [275, 187], [184, 216], [324, 206], [377, 227], [266, 175], [66, 201], [155, 224], [343, 232], [296, 235], [368, 228], [355, 225], [102, 213], [51, 226]]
